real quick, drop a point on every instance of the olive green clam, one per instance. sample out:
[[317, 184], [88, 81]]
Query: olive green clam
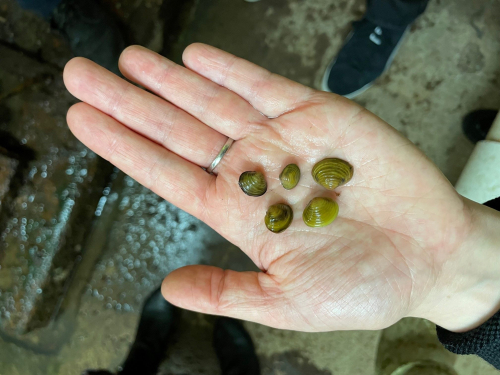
[[332, 172], [253, 183], [278, 217], [290, 176], [320, 212]]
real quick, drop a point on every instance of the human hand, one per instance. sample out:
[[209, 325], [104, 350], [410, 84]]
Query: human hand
[[402, 233]]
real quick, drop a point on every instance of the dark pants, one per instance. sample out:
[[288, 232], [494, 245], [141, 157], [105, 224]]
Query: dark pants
[[386, 13], [42, 7], [394, 13]]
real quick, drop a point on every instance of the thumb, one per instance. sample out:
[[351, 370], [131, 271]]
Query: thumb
[[253, 296]]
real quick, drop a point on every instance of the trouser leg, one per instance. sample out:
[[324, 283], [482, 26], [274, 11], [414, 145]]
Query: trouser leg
[[42, 7], [394, 13]]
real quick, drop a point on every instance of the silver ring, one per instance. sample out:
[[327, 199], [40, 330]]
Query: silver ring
[[221, 154]]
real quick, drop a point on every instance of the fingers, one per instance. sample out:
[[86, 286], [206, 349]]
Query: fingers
[[175, 179], [212, 104], [143, 112], [269, 93], [252, 296]]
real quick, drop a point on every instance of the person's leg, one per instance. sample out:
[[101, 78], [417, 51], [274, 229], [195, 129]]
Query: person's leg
[[92, 31], [234, 348], [45, 8], [371, 46], [158, 321], [90, 28], [394, 13]]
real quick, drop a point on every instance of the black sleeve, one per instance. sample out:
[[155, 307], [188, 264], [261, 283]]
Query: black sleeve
[[494, 203], [484, 340]]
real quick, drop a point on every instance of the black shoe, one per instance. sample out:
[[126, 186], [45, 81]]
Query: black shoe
[[366, 54], [158, 320], [234, 348], [92, 31], [476, 124]]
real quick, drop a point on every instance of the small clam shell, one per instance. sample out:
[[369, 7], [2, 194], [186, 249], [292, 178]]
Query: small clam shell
[[253, 183], [320, 212], [332, 172], [278, 217], [290, 176]]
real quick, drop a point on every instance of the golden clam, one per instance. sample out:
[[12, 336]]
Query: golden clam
[[332, 172], [290, 176], [253, 183], [320, 212], [278, 217]]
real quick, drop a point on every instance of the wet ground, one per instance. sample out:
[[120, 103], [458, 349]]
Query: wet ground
[[84, 245]]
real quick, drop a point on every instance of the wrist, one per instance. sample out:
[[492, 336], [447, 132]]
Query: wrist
[[467, 290]]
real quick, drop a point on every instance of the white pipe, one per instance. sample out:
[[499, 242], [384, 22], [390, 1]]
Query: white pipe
[[480, 179]]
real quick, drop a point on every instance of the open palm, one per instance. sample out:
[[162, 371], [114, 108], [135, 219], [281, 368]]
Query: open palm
[[399, 218]]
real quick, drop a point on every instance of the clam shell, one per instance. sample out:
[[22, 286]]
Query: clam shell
[[290, 176], [320, 212], [332, 172], [253, 183], [278, 217]]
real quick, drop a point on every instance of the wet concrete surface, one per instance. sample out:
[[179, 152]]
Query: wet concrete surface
[[8, 168], [59, 187], [414, 341], [132, 238]]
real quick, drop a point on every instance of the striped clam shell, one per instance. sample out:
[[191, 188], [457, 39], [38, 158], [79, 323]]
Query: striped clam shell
[[320, 212], [290, 176], [253, 183], [278, 217], [332, 172]]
